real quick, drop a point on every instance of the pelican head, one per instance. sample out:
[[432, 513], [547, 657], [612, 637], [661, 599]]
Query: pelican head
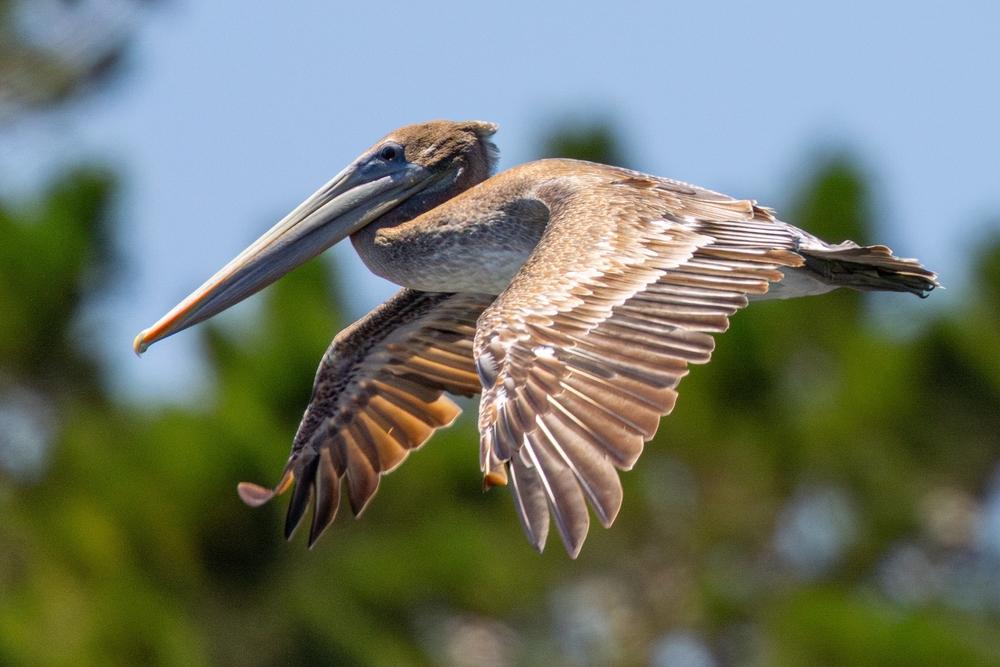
[[409, 171]]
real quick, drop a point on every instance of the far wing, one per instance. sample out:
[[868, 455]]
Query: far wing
[[379, 393], [580, 357]]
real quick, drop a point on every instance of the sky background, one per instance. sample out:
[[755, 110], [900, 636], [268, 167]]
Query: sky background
[[231, 113]]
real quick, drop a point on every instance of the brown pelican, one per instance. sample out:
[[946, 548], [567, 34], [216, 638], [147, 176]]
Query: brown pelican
[[571, 295]]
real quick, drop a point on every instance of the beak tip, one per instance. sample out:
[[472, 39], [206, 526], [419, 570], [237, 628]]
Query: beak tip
[[139, 344]]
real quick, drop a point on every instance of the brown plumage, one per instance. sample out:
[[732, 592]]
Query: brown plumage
[[572, 295]]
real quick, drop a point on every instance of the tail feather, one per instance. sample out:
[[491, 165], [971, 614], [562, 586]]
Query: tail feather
[[868, 268]]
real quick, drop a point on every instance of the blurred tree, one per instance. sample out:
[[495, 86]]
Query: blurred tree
[[51, 256], [55, 50], [799, 507], [592, 141]]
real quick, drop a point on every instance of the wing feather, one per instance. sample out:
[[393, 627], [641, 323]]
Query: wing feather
[[582, 354], [378, 394], [529, 501], [562, 489], [577, 360]]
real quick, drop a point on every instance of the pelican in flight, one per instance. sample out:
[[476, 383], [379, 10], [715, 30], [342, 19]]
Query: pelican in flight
[[571, 295]]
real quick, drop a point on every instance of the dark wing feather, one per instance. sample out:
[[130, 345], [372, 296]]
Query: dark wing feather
[[378, 394]]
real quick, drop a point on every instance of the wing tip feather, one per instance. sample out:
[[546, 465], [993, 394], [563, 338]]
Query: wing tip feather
[[254, 495]]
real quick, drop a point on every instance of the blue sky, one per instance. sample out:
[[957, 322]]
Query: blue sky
[[232, 112]]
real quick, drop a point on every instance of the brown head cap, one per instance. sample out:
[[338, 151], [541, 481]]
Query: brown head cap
[[444, 145]]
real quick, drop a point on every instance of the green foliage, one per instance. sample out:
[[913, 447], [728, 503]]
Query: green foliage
[[831, 628], [51, 256], [836, 206], [133, 548], [594, 142]]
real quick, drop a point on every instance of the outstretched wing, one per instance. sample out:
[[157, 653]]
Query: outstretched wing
[[379, 393], [581, 355]]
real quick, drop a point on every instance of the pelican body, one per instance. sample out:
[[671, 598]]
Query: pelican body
[[572, 296]]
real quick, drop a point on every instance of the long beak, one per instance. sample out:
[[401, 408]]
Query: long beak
[[356, 196]]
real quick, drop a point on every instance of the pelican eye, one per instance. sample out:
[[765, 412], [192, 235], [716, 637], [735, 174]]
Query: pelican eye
[[390, 152]]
